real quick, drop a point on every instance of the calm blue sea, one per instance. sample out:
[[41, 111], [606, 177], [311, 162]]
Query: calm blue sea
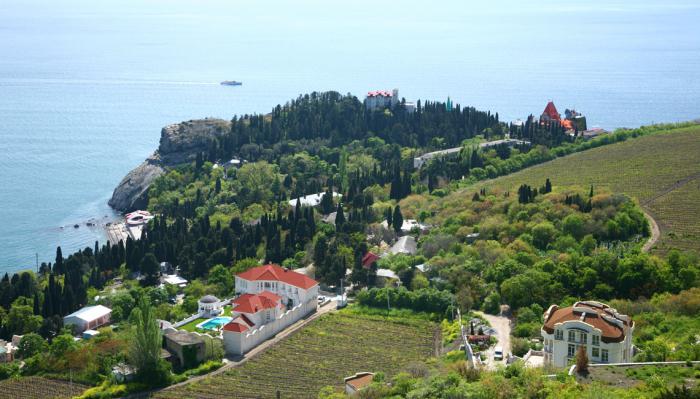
[[85, 86]]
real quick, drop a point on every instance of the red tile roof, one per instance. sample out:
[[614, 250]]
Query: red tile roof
[[596, 314], [368, 259], [380, 93], [360, 380], [276, 273], [235, 327], [253, 303], [551, 111]]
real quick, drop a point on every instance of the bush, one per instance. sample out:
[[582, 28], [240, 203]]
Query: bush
[[520, 346]]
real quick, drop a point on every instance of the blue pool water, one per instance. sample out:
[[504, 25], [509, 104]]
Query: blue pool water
[[215, 323]]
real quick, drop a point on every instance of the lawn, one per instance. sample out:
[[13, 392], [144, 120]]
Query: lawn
[[661, 170], [39, 388], [323, 353], [192, 326]]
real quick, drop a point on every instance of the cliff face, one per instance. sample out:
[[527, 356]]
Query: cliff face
[[179, 143]]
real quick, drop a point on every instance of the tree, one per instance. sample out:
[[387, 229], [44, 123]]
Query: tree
[[150, 267], [21, 320], [582, 361], [30, 345], [223, 278], [397, 219], [145, 346], [339, 217], [327, 202]]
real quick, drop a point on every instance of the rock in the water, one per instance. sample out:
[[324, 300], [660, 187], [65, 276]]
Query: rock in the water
[[179, 143]]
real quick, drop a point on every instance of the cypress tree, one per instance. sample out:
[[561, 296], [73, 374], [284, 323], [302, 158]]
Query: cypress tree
[[397, 219]]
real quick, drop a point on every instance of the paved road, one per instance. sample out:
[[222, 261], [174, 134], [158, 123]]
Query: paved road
[[502, 326]]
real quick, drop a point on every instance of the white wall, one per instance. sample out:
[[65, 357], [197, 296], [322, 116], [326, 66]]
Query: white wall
[[240, 343]]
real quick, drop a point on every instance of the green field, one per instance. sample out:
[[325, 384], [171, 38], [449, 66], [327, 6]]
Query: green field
[[661, 170], [323, 353], [39, 388]]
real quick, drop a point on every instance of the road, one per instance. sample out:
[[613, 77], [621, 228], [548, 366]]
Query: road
[[655, 232], [502, 326]]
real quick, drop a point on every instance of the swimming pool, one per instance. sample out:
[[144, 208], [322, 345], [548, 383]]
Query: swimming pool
[[215, 323]]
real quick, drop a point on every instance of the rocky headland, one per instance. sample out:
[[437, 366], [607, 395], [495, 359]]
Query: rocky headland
[[179, 143]]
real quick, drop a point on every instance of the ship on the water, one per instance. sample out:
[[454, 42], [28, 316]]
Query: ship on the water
[[231, 83]]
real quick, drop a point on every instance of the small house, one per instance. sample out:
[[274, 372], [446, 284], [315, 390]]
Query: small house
[[357, 382], [187, 347], [88, 318]]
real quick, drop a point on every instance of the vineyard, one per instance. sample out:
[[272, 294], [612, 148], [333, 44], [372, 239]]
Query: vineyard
[[323, 353], [661, 170], [39, 388]]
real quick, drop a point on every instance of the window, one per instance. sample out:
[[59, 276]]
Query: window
[[572, 350], [584, 338], [559, 335], [572, 335], [596, 340], [604, 355], [595, 352]]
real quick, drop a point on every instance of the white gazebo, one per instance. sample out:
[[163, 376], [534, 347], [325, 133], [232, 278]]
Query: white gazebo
[[209, 306]]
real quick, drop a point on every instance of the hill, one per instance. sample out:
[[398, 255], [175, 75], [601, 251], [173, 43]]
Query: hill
[[661, 170]]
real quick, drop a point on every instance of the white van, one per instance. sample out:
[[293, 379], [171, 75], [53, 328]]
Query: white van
[[498, 353]]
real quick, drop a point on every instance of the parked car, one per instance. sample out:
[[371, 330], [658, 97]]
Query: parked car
[[498, 353]]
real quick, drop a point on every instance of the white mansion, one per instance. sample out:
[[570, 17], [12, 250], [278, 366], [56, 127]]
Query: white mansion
[[605, 333], [270, 299]]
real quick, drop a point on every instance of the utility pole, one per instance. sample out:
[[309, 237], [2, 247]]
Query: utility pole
[[37, 263], [388, 306]]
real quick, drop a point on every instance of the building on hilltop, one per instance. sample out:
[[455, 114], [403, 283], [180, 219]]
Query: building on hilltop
[[550, 113], [270, 299], [605, 334], [378, 99]]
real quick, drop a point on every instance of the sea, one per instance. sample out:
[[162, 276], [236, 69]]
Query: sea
[[86, 86]]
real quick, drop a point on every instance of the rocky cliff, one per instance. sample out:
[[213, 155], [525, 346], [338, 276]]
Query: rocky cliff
[[179, 143]]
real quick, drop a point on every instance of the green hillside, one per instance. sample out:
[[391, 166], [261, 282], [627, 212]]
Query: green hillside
[[662, 171]]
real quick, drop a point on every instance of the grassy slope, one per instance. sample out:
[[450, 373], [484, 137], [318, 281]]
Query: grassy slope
[[642, 168], [323, 353]]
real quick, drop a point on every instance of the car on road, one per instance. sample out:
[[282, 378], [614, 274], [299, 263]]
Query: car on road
[[498, 353]]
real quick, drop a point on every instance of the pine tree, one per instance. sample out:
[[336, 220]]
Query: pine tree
[[58, 265], [339, 217], [397, 219]]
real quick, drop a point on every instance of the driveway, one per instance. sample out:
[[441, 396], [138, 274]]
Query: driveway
[[502, 326]]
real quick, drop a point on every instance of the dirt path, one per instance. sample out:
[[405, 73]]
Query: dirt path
[[655, 232], [502, 326], [678, 184]]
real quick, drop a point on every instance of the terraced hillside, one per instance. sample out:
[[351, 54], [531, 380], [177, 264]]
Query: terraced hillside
[[323, 353], [39, 388], [661, 170]]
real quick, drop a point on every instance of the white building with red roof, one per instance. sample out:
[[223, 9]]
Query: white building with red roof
[[604, 333], [293, 287], [378, 99], [270, 299]]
